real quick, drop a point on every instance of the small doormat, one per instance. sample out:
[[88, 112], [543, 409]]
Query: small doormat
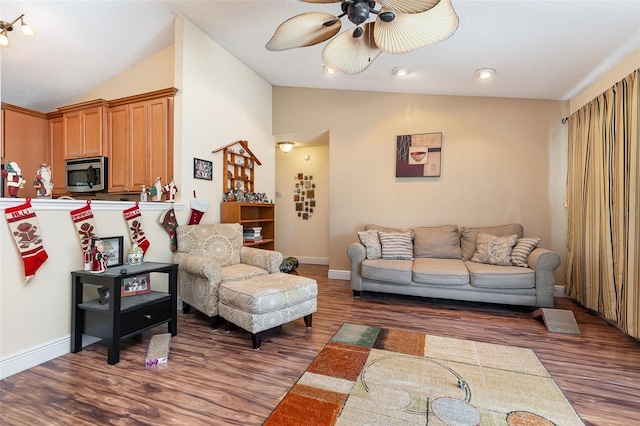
[[557, 320], [158, 351]]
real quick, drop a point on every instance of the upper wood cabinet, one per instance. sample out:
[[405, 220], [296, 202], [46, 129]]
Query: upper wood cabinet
[[140, 141], [84, 129], [58, 164]]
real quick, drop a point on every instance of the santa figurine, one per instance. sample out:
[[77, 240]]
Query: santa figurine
[[156, 190], [43, 183], [99, 257], [13, 175], [170, 189]]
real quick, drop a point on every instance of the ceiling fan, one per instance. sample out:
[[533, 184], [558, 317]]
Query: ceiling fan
[[400, 27]]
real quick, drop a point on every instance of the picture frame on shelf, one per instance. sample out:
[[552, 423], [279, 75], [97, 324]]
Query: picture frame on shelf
[[202, 169], [113, 249], [140, 284]]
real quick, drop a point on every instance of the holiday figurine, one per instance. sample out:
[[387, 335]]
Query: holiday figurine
[[43, 183], [156, 190], [99, 258], [13, 175], [170, 189], [143, 193]]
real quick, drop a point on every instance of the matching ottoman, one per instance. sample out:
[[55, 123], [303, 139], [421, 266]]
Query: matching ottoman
[[267, 301]]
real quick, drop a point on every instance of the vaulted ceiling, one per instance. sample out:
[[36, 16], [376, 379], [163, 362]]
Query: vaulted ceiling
[[545, 49]]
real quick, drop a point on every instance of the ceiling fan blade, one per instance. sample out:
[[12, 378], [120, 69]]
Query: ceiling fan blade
[[408, 6], [351, 55], [303, 30], [408, 32]]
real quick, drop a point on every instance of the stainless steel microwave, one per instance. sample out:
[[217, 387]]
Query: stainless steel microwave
[[87, 174]]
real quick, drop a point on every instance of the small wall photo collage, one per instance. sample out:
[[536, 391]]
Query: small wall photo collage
[[304, 195]]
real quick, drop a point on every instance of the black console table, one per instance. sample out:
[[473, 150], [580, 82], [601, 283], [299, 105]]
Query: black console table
[[121, 317]]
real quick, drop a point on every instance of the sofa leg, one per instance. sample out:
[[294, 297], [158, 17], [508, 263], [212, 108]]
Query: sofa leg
[[256, 339], [214, 321], [186, 308], [356, 293], [307, 321]]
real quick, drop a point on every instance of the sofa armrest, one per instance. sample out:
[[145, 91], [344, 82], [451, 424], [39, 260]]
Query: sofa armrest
[[357, 253], [269, 260], [198, 265], [544, 262]]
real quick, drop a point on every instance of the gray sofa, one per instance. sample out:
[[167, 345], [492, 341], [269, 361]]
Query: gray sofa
[[489, 264]]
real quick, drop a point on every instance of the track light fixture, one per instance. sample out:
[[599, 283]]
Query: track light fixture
[[8, 26]]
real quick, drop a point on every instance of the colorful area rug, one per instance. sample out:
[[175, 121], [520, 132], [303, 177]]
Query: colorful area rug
[[375, 376]]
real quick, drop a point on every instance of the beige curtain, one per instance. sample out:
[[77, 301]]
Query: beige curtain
[[603, 191]]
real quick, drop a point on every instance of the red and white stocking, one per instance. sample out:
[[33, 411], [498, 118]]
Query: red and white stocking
[[198, 208], [134, 223], [85, 225], [26, 233]]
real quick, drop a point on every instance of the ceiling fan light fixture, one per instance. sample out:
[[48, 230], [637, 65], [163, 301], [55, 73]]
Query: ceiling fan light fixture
[[4, 40], [26, 29], [329, 70], [285, 146], [401, 71], [485, 73]]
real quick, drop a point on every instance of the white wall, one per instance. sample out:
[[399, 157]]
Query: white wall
[[503, 161], [219, 100], [307, 240]]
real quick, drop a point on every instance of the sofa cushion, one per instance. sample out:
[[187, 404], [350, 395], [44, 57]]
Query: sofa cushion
[[482, 275], [521, 251], [441, 242], [240, 272], [396, 245], [450, 272], [371, 243], [392, 271], [468, 236], [494, 250], [371, 227]]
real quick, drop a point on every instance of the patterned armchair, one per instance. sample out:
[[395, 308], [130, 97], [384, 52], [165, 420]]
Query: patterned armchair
[[210, 254]]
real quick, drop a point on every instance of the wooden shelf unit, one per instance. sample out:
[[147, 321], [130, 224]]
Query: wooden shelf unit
[[251, 215], [238, 166]]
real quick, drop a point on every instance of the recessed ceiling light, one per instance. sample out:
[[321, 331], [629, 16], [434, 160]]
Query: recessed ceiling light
[[485, 73], [328, 70], [400, 71]]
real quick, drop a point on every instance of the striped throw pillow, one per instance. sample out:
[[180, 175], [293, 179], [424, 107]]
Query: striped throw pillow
[[396, 245], [520, 252]]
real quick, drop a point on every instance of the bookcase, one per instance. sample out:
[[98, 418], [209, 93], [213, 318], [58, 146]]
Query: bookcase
[[252, 215]]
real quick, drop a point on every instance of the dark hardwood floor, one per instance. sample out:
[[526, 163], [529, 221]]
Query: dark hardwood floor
[[216, 378]]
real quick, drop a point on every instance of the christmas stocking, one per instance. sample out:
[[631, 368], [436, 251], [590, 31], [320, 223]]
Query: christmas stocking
[[134, 223], [198, 208], [85, 225], [170, 223], [26, 232]]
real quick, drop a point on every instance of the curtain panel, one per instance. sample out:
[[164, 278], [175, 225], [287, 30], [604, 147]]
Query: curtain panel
[[603, 194]]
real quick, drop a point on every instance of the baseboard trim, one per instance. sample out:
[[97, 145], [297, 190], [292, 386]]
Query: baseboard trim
[[312, 260], [558, 291], [38, 355], [336, 274]]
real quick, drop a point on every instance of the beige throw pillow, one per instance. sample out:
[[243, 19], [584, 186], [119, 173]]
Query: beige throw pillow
[[521, 251], [371, 243], [468, 236], [442, 242], [494, 250], [396, 245]]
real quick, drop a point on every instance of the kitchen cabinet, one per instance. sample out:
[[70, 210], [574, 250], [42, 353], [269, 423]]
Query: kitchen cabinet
[[84, 128], [58, 164], [140, 141]]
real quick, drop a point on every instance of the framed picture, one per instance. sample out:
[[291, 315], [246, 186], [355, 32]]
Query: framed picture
[[418, 155], [113, 249], [202, 169], [140, 284]]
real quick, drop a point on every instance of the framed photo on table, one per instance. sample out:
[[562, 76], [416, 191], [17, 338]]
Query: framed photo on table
[[140, 284], [113, 249]]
